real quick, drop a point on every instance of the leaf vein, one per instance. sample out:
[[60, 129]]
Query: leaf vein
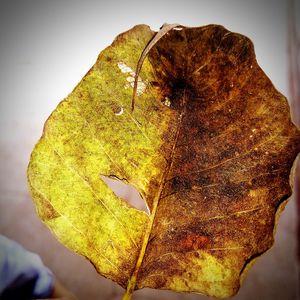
[[96, 196], [75, 228]]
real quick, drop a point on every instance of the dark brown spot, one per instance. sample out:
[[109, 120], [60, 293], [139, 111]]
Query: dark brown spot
[[234, 190]]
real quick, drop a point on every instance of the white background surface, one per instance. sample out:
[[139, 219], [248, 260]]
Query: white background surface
[[46, 47]]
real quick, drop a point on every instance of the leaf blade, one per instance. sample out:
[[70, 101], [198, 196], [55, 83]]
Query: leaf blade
[[205, 121]]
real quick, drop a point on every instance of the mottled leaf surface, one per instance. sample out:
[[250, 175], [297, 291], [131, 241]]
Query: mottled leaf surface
[[210, 147]]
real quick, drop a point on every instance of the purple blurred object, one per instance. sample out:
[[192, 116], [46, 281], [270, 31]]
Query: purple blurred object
[[22, 273]]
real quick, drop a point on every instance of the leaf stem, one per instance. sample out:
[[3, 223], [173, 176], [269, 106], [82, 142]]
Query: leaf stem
[[163, 30], [133, 279]]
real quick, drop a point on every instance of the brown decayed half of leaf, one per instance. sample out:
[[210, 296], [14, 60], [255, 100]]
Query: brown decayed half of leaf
[[231, 163], [210, 146]]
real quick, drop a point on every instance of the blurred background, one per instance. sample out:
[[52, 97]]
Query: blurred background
[[46, 47]]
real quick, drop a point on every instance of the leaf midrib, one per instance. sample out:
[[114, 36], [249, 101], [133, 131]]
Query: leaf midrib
[[133, 279]]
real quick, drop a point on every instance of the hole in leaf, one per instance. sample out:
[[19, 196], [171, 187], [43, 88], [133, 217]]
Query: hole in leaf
[[126, 191]]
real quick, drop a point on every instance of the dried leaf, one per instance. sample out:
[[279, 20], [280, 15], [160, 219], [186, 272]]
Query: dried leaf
[[210, 147]]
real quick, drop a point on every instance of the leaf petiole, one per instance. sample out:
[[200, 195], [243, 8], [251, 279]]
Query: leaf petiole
[[163, 31]]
